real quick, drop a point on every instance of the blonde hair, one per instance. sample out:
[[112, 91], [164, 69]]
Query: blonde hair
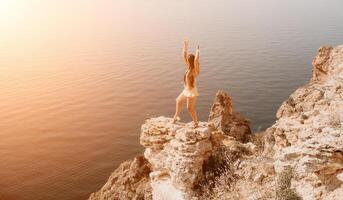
[[189, 75]]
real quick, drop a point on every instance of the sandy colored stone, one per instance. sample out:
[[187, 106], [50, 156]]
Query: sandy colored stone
[[181, 156], [129, 181], [224, 119]]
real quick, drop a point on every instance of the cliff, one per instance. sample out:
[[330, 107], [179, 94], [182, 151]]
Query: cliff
[[299, 157]]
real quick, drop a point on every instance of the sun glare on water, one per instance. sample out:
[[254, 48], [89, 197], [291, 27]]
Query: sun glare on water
[[13, 14]]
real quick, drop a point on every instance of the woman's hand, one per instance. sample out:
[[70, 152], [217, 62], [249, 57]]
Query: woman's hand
[[196, 60], [197, 53], [184, 51], [185, 44]]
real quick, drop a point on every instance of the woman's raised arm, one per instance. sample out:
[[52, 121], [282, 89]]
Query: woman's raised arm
[[196, 61], [185, 51]]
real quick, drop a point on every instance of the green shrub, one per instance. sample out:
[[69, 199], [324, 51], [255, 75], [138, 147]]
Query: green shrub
[[283, 186]]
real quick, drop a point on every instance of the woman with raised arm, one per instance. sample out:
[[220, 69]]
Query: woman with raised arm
[[190, 91]]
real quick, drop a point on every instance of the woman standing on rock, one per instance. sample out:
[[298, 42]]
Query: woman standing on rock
[[190, 91]]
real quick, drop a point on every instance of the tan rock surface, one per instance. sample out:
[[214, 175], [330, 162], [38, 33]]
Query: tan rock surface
[[176, 155], [129, 181], [225, 120], [309, 130]]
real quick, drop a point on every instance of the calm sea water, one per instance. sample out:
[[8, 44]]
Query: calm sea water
[[78, 78]]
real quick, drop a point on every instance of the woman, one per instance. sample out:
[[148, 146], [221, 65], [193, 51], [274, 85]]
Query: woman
[[190, 91]]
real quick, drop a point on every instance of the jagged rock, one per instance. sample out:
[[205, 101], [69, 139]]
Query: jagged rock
[[156, 132], [321, 63], [129, 181], [268, 142], [176, 153], [308, 137], [309, 130], [226, 121]]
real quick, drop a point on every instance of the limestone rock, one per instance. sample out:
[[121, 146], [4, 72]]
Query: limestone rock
[[156, 132], [226, 121], [307, 138], [129, 181], [321, 63], [309, 130], [176, 153]]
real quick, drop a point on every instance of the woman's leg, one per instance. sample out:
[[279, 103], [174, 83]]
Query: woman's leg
[[191, 109], [179, 101]]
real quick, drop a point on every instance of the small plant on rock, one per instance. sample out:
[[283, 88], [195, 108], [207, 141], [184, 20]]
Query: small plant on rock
[[283, 186]]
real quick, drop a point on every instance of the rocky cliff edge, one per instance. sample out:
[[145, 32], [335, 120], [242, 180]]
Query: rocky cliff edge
[[299, 157]]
